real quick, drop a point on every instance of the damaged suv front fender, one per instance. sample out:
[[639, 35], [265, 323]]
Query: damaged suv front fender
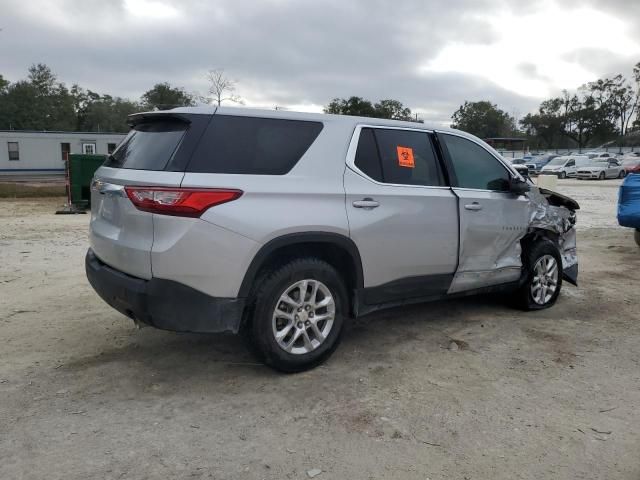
[[556, 213]]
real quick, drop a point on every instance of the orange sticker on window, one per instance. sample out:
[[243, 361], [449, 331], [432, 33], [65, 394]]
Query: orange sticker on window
[[405, 157]]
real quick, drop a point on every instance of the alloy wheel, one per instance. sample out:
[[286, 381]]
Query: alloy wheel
[[545, 279], [303, 316]]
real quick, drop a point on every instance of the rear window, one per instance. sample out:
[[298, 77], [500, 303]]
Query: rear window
[[148, 146], [255, 146]]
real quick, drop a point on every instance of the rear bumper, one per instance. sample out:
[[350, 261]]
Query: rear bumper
[[163, 304]]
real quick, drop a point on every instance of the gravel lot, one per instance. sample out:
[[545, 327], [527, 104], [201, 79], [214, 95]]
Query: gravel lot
[[554, 394]]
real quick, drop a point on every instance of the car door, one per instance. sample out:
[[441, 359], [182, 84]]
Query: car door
[[402, 216], [612, 169], [492, 220], [570, 168]]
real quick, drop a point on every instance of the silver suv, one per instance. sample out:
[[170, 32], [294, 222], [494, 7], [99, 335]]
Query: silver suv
[[284, 225]]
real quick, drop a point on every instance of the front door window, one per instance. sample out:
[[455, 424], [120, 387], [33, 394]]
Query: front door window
[[475, 167]]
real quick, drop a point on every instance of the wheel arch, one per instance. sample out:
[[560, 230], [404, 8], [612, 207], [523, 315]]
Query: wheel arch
[[331, 247], [536, 235]]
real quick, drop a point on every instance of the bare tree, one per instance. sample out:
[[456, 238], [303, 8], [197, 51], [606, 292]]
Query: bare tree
[[636, 104], [222, 87]]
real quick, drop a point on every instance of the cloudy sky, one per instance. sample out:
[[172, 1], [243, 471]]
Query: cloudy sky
[[430, 54]]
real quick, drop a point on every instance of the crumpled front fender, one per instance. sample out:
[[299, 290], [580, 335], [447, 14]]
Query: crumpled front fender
[[556, 213]]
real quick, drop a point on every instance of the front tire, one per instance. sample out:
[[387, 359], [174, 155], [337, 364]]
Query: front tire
[[636, 236], [298, 314], [542, 280], [602, 176], [563, 175]]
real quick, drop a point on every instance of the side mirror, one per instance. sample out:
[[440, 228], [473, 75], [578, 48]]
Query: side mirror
[[518, 187]]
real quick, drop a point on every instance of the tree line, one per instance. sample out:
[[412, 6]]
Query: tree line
[[41, 102], [599, 112], [361, 107]]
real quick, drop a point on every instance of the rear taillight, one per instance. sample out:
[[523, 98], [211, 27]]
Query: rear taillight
[[181, 202]]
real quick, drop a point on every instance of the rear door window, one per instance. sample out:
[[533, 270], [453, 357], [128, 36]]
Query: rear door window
[[148, 146], [401, 157], [249, 145]]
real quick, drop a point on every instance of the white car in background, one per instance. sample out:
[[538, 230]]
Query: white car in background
[[601, 168], [630, 156], [564, 166], [599, 155]]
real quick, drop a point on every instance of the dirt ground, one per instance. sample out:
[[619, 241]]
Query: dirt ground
[[547, 395]]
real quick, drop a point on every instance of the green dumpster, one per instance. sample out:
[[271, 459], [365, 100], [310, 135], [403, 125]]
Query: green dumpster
[[80, 170]]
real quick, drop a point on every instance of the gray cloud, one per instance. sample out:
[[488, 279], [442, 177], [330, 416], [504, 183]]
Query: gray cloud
[[603, 61], [282, 52]]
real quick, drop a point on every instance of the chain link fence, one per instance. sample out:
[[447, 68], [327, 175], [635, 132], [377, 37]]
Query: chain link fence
[[567, 151]]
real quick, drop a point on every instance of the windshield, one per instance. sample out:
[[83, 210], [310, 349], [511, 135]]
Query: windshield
[[557, 161]]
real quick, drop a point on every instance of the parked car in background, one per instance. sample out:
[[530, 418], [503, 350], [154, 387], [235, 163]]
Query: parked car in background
[[523, 162], [601, 168], [523, 170], [536, 163], [564, 166], [631, 165], [597, 155], [285, 225], [630, 156]]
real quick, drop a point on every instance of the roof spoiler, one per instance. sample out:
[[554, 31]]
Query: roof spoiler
[[137, 118]]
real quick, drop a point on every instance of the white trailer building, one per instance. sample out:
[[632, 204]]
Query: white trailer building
[[24, 152]]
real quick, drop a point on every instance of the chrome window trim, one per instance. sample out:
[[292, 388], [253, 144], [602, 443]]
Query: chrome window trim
[[353, 147]]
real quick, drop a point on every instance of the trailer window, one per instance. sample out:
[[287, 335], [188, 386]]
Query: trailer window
[[14, 151], [65, 149], [89, 148]]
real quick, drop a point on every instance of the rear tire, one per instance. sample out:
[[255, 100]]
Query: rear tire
[[297, 315], [542, 270], [622, 174]]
